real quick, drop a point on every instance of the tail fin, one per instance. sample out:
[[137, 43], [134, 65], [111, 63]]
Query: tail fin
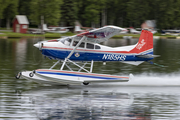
[[45, 27], [145, 43], [77, 28]]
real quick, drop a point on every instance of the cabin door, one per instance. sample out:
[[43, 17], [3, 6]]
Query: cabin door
[[79, 54]]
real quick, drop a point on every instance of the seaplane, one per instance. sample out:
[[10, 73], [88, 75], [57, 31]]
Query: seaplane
[[81, 51], [134, 31], [55, 29]]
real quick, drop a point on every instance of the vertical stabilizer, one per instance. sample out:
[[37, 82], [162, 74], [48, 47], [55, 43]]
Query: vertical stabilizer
[[145, 43], [45, 27], [77, 28]]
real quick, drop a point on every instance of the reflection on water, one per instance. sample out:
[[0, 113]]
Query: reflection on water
[[81, 104], [152, 94], [92, 102]]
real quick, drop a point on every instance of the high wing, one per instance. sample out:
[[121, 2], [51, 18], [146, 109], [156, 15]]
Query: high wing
[[99, 35]]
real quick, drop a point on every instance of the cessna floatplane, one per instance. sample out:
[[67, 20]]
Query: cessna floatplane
[[85, 48]]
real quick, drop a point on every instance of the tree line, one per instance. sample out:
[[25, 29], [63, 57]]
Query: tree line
[[93, 13]]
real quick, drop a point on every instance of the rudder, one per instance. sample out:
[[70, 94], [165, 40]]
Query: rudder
[[145, 42]]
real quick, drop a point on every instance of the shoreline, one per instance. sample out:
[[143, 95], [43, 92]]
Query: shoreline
[[50, 35]]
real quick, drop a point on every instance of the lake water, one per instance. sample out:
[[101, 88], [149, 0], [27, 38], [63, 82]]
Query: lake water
[[152, 94]]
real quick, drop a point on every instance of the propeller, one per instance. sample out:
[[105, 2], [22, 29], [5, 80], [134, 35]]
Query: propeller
[[38, 45], [37, 56]]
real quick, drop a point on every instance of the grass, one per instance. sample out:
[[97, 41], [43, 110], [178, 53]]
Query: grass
[[3, 35], [138, 35], [57, 35], [165, 36], [47, 35]]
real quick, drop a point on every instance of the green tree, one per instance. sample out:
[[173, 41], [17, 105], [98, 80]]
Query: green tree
[[116, 12], [176, 18], [169, 14], [79, 11], [68, 12], [137, 12], [123, 13], [10, 11], [3, 4], [50, 10], [24, 7], [88, 12], [92, 14]]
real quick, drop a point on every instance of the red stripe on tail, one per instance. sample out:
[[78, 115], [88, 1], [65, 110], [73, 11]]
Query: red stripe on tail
[[145, 42]]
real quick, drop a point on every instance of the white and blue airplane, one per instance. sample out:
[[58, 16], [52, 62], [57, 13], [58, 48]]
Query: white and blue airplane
[[85, 48]]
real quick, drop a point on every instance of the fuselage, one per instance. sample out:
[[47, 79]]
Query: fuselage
[[91, 51]]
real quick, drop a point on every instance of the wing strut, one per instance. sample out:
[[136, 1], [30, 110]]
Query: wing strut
[[77, 65], [68, 60], [70, 54], [55, 64]]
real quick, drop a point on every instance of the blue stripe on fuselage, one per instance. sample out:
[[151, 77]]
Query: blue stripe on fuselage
[[78, 75], [88, 56]]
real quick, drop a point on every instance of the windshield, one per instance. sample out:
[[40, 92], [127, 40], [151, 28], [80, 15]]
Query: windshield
[[66, 41]]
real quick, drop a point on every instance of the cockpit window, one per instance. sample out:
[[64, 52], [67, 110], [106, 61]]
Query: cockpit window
[[90, 46], [97, 47], [66, 41], [63, 40], [69, 40]]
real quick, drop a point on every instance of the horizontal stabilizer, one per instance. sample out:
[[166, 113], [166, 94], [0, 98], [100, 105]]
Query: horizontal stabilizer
[[132, 62], [147, 56]]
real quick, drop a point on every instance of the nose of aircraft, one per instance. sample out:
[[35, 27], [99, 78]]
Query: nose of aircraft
[[43, 44], [38, 45]]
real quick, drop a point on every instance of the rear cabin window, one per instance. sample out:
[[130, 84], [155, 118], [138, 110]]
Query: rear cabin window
[[90, 46], [97, 47]]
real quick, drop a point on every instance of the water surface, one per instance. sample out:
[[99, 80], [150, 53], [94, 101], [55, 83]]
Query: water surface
[[153, 93]]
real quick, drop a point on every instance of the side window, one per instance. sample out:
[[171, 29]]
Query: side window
[[97, 47], [75, 43], [90, 46], [82, 45]]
